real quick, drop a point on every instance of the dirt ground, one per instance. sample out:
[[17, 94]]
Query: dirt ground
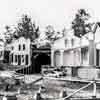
[[51, 89]]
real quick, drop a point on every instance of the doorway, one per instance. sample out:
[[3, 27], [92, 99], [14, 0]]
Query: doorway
[[41, 59]]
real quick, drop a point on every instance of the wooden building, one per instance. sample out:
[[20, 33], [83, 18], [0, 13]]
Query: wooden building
[[18, 53]]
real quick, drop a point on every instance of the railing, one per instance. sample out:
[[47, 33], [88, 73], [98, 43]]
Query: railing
[[75, 92], [94, 91]]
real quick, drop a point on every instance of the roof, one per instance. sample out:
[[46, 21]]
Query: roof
[[47, 45]]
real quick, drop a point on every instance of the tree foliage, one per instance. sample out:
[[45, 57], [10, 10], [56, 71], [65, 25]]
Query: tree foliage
[[8, 34], [49, 32], [25, 28], [79, 24], [52, 35]]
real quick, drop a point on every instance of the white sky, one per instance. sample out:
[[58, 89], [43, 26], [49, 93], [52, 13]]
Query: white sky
[[58, 13]]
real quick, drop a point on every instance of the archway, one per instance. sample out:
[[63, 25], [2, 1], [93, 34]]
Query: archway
[[41, 59]]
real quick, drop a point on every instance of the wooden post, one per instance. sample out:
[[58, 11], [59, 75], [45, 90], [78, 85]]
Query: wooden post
[[94, 90], [4, 98], [38, 95], [19, 91], [63, 94]]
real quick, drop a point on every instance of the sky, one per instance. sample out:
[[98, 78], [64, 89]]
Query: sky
[[58, 13]]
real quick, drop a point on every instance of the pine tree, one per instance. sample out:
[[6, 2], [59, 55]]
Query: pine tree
[[25, 28], [8, 34]]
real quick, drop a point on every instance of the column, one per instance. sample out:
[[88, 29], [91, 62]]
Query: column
[[61, 57], [80, 55], [52, 57], [73, 58], [91, 53], [28, 64], [81, 52]]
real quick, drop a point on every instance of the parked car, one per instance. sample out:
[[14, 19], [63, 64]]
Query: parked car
[[52, 74], [61, 72]]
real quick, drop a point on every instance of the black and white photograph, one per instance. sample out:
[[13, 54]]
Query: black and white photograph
[[49, 50]]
